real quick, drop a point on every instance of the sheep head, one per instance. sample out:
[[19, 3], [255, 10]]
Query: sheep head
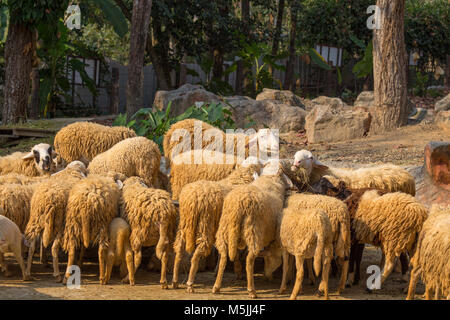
[[305, 159], [44, 156]]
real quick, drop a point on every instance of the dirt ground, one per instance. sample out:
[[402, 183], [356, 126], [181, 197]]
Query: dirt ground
[[404, 146], [147, 286]]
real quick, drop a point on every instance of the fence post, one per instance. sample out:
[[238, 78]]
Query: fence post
[[114, 95]]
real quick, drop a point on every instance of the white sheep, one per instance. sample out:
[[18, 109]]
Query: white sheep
[[11, 240], [39, 161], [249, 220], [306, 233], [385, 177], [137, 156], [200, 210], [119, 250]]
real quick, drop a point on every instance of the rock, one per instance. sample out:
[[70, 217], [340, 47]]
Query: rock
[[443, 104], [267, 113], [442, 120], [322, 101], [365, 99], [330, 123], [437, 159], [183, 98], [284, 96]]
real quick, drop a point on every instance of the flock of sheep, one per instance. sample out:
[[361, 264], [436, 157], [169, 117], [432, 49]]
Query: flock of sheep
[[103, 186]]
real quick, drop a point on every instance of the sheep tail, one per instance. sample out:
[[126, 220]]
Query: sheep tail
[[48, 227], [85, 228], [121, 238], [318, 253], [190, 217], [234, 230]]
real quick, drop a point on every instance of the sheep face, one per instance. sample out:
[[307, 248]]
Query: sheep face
[[43, 155], [305, 159], [325, 187], [272, 260]]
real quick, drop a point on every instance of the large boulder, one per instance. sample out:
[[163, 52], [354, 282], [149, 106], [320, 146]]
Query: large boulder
[[367, 99], [443, 104], [183, 98], [331, 123], [442, 120], [322, 101], [284, 96], [267, 113]]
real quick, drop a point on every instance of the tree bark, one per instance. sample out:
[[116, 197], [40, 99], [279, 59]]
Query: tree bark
[[18, 57], [277, 33], [114, 95], [138, 38], [219, 50], [33, 105], [390, 68], [289, 75]]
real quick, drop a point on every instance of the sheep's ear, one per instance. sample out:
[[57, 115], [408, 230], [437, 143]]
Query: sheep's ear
[[119, 184], [288, 181], [28, 156]]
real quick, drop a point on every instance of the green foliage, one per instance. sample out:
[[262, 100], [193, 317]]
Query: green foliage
[[114, 16], [4, 17], [318, 59], [53, 52], [364, 67], [153, 124], [427, 29], [421, 84], [32, 12]]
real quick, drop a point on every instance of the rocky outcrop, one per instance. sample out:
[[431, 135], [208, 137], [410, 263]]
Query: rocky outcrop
[[443, 104], [284, 96], [330, 123]]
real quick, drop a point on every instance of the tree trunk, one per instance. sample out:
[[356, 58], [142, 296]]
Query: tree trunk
[[18, 58], [277, 34], [389, 68], [138, 37], [218, 50], [33, 105], [289, 76], [114, 94]]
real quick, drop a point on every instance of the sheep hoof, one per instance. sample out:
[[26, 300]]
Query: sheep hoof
[[252, 294], [281, 291], [131, 282], [28, 278], [189, 289], [8, 274], [369, 291], [164, 285], [292, 298], [125, 280], [319, 293], [175, 285], [58, 278], [215, 290]]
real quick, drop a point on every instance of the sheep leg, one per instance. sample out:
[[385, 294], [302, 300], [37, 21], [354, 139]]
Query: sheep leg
[[415, 272], [311, 277], [130, 263], [344, 271], [102, 250], [437, 293], [110, 257], [299, 278], [176, 267], [323, 287], [55, 251], [285, 256], [137, 258], [42, 253], [4, 266], [81, 257], [428, 292], [30, 256], [388, 267], [405, 265], [70, 262], [18, 254], [164, 261], [237, 266], [193, 270], [250, 262], [222, 265]]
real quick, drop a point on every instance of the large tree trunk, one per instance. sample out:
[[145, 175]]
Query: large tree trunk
[[138, 38], [18, 56], [289, 76], [219, 50], [389, 68], [277, 33]]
